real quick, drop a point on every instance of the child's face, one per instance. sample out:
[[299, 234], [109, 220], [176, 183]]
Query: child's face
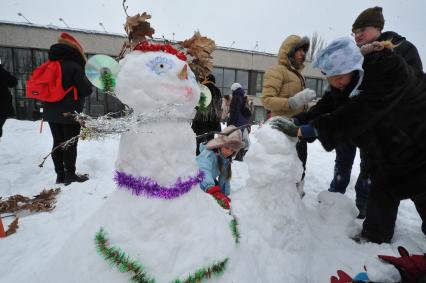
[[226, 151], [340, 81]]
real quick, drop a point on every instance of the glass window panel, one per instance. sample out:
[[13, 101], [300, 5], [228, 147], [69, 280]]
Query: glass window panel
[[22, 61], [259, 113], [40, 56], [218, 74], [259, 82], [243, 78], [311, 83], [6, 58], [229, 78]]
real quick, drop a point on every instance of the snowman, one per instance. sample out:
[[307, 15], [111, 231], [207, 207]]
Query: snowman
[[158, 216]]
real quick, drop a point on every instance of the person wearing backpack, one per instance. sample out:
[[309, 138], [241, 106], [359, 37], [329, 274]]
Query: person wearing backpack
[[69, 53], [6, 108]]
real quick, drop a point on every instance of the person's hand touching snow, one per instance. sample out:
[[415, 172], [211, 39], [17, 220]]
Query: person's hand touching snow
[[301, 98]]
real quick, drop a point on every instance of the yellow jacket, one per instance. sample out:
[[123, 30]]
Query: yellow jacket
[[284, 80]]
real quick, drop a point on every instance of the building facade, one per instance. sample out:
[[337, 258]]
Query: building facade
[[23, 47]]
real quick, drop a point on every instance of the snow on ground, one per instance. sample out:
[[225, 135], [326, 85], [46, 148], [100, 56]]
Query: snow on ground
[[322, 220]]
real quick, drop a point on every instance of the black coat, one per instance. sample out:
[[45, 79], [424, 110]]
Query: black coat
[[405, 49], [209, 121], [6, 81], [72, 66], [387, 121]]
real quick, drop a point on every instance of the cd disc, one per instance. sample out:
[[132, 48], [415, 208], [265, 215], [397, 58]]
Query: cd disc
[[97, 65], [206, 92]]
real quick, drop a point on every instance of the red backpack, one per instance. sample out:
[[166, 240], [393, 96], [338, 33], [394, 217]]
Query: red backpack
[[45, 83]]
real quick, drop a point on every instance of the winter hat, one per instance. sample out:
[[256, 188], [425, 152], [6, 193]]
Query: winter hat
[[211, 78], [341, 56], [235, 86], [371, 17], [232, 140], [71, 41]]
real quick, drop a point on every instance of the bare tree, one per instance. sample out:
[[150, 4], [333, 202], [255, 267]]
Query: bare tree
[[316, 44]]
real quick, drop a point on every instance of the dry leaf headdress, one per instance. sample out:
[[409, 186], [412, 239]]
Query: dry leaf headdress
[[200, 48]]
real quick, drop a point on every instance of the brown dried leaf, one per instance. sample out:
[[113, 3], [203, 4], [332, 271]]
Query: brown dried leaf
[[12, 227], [201, 48], [137, 28]]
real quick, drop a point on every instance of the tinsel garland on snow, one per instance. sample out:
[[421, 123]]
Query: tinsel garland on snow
[[150, 188], [205, 272], [234, 228], [115, 256]]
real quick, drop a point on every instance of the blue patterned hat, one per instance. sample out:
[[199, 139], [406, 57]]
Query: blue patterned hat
[[341, 56]]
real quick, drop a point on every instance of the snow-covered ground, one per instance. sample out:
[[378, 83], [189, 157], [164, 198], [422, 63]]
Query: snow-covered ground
[[272, 243]]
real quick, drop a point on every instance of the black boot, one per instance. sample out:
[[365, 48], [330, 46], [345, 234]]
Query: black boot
[[60, 177], [73, 177], [362, 211]]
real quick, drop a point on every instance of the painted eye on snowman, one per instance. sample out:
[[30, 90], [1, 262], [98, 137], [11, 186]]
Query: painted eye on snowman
[[160, 65]]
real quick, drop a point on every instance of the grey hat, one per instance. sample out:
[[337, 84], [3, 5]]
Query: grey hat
[[232, 138]]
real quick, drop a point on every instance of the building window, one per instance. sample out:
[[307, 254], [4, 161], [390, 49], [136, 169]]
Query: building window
[[218, 74], [259, 84], [243, 79], [316, 84], [259, 114]]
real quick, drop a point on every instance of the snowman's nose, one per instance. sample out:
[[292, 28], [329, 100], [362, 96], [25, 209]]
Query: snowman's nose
[[183, 74]]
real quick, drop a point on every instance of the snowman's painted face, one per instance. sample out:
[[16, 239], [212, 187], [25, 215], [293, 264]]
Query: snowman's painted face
[[154, 79]]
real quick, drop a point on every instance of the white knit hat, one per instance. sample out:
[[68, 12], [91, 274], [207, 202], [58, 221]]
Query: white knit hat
[[235, 86], [232, 140]]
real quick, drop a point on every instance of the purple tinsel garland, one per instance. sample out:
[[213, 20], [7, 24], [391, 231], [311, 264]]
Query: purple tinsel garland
[[150, 188]]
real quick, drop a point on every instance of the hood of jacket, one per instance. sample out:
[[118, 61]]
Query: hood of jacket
[[392, 36], [60, 51], [288, 47]]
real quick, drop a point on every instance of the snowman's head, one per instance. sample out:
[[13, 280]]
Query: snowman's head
[[152, 80]]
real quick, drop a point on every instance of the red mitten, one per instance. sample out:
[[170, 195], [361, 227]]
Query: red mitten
[[223, 200], [343, 277], [411, 267]]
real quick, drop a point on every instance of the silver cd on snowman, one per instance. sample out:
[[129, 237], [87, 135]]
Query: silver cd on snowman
[[205, 97], [101, 70]]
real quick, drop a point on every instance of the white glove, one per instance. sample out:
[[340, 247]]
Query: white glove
[[301, 98]]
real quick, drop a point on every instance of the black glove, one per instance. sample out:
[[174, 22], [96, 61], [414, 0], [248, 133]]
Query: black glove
[[284, 125]]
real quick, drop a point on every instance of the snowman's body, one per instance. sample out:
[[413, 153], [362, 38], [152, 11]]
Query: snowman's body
[[171, 238]]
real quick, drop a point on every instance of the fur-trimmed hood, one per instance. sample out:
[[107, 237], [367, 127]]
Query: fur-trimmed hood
[[289, 46]]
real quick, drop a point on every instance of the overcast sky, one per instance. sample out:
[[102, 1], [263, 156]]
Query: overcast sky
[[268, 21]]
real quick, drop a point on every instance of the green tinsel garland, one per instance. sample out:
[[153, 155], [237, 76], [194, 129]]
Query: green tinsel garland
[[202, 103], [108, 82], [234, 229], [115, 256], [205, 273]]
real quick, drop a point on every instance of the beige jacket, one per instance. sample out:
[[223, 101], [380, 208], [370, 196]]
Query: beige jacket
[[283, 80]]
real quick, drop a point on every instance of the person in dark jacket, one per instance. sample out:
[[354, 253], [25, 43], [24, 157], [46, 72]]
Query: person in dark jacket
[[209, 120], [238, 116], [384, 116], [70, 52], [367, 28], [6, 107]]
